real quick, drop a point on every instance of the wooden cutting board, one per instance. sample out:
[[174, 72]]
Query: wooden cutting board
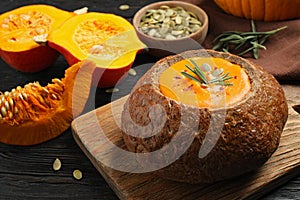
[[282, 166]]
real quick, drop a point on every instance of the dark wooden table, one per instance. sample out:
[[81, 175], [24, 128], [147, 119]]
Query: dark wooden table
[[26, 172]]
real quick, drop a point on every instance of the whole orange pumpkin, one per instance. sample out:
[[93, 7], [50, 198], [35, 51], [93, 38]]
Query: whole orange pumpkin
[[265, 10]]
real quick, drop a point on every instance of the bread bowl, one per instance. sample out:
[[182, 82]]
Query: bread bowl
[[249, 127]]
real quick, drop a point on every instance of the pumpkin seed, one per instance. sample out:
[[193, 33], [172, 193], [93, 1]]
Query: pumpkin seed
[[10, 115], [206, 67], [56, 164], [124, 7], [149, 13], [2, 99], [175, 33], [152, 32], [16, 110], [169, 23], [45, 90], [217, 72], [132, 72], [25, 17], [3, 111], [24, 96], [81, 11], [166, 20], [5, 26], [7, 105], [40, 31], [178, 20], [41, 39], [158, 16], [192, 14], [169, 12], [77, 174], [57, 81], [54, 96], [194, 21], [112, 90], [170, 37], [195, 28], [164, 7], [19, 88], [11, 102], [164, 29], [172, 24], [186, 22]]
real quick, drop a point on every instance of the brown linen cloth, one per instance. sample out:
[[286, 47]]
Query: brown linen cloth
[[282, 57]]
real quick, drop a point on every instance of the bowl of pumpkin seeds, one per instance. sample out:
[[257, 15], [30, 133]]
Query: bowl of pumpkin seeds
[[171, 27]]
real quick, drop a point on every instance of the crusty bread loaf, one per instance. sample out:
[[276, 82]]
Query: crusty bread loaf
[[249, 135]]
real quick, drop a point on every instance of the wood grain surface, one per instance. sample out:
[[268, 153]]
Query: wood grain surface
[[282, 166]]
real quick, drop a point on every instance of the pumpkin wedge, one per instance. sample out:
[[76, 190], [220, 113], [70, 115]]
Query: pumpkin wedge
[[17, 31], [107, 39], [33, 114]]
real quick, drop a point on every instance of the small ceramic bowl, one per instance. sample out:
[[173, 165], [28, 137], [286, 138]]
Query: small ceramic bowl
[[160, 47]]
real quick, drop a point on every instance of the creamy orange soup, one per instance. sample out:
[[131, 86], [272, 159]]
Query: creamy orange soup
[[175, 85]]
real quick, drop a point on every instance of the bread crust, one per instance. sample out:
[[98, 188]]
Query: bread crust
[[250, 133]]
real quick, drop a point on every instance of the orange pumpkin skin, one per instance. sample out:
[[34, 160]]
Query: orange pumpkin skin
[[70, 58], [102, 77], [105, 78], [35, 114], [109, 71], [264, 10], [33, 60], [17, 31]]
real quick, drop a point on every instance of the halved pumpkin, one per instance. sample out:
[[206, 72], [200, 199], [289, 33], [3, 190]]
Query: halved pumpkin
[[107, 39], [33, 114], [17, 30]]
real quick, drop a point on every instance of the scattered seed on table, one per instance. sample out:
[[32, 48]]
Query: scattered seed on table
[[77, 174], [112, 90], [56, 164], [124, 7], [132, 72]]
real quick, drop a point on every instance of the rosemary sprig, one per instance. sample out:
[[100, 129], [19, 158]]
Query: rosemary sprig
[[254, 41], [244, 42], [219, 78]]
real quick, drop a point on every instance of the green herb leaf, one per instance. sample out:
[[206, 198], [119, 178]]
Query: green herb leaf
[[191, 77], [240, 41], [198, 71], [221, 78]]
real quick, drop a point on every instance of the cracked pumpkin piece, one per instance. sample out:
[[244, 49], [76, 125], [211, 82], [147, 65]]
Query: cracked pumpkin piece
[[226, 117], [33, 114]]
